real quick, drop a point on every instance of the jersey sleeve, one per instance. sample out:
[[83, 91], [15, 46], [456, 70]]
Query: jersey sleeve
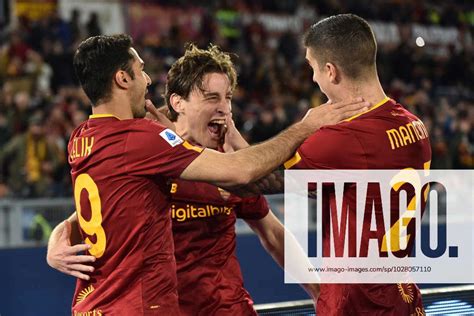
[[253, 208], [153, 149], [322, 150]]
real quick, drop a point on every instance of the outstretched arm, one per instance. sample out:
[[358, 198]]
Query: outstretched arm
[[274, 183], [270, 184], [64, 247], [254, 162]]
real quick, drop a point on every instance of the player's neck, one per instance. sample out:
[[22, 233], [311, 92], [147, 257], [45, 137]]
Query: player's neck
[[182, 129], [371, 91], [115, 108]]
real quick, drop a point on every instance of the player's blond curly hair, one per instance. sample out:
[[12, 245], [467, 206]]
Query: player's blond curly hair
[[187, 72]]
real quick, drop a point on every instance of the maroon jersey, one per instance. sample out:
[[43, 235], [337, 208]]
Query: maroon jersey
[[119, 173], [209, 277], [386, 137]]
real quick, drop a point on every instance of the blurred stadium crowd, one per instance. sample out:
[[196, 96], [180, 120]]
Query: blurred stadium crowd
[[41, 103]]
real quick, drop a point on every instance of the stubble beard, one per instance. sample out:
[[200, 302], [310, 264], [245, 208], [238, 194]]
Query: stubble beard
[[139, 111]]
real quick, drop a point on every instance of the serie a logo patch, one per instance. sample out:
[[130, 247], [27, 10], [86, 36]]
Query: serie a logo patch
[[170, 137]]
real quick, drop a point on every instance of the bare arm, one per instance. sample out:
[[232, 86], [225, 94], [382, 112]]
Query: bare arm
[[64, 257], [252, 163], [270, 184], [246, 165], [274, 183], [271, 233]]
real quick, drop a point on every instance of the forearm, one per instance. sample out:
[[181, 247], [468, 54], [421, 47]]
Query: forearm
[[271, 233], [274, 183], [66, 258], [252, 163], [263, 158], [249, 164], [267, 156], [55, 235], [276, 250], [298, 255], [273, 242], [75, 237]]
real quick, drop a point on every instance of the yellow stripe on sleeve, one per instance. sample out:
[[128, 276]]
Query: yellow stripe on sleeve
[[293, 161], [191, 147]]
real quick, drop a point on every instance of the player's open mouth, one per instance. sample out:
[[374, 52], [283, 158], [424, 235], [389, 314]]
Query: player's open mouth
[[216, 127]]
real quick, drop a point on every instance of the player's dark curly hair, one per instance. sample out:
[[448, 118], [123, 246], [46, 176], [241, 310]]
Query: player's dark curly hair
[[96, 61], [188, 72], [345, 40]]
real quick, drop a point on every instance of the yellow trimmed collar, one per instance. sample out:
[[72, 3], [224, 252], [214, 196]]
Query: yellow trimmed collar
[[93, 116], [371, 109]]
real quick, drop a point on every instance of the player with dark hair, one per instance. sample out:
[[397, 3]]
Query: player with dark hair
[[120, 165], [203, 215], [342, 50]]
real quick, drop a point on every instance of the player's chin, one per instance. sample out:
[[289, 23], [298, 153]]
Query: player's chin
[[139, 113]]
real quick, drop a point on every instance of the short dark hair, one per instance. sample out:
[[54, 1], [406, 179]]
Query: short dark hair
[[96, 61], [188, 71], [346, 40]]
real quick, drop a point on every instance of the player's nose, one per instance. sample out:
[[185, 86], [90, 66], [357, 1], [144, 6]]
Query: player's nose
[[148, 80], [224, 108]]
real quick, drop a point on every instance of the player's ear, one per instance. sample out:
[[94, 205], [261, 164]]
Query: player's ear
[[177, 103], [122, 79], [333, 73]]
